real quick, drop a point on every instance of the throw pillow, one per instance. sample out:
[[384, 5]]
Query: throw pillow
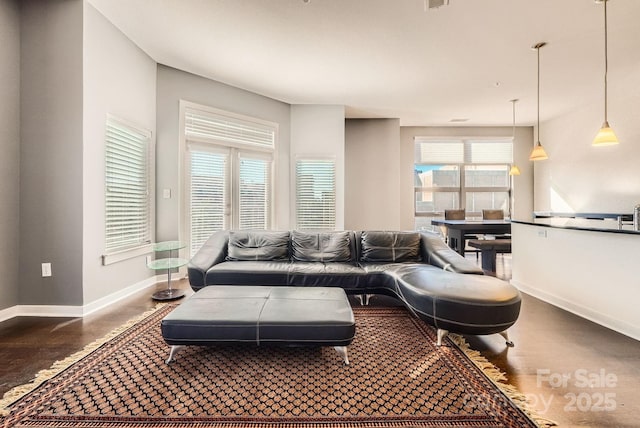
[[390, 246], [321, 247], [258, 245]]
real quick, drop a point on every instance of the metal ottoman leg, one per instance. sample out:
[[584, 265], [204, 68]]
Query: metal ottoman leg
[[172, 352], [441, 335], [508, 342], [342, 350]]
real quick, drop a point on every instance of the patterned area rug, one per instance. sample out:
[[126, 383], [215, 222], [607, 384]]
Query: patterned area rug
[[397, 378]]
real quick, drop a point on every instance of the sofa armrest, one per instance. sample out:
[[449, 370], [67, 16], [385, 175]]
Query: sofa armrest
[[436, 252], [212, 252]]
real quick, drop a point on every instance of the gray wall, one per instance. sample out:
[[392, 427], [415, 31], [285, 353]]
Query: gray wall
[[175, 85], [372, 170], [379, 170], [73, 67], [51, 152], [10, 149]]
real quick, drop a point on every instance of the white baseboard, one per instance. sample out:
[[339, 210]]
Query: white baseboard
[[119, 295], [9, 313], [49, 311], [605, 320], [78, 311]]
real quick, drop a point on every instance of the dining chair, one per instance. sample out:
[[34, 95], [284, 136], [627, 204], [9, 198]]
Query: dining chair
[[492, 214], [451, 215], [454, 214], [460, 214]]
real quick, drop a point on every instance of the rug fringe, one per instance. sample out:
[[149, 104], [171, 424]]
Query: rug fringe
[[499, 379], [42, 376]]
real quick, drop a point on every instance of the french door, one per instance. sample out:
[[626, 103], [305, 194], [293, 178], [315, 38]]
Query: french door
[[228, 188]]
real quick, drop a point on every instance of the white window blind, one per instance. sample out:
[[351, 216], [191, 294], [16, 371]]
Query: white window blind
[[315, 194], [458, 151], [255, 193], [228, 128], [127, 186], [439, 151], [459, 172], [209, 199], [489, 151]]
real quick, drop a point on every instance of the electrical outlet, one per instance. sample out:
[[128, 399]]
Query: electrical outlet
[[542, 233], [148, 259], [46, 270]]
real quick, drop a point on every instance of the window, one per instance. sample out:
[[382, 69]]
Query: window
[[315, 194], [209, 196], [460, 173], [254, 192], [127, 186], [229, 167]]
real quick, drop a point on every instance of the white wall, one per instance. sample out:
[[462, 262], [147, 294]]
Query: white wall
[[10, 149], [318, 131], [523, 184], [372, 174], [582, 178], [592, 274], [119, 79]]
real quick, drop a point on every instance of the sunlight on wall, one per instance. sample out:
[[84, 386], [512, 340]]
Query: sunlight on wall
[[557, 202]]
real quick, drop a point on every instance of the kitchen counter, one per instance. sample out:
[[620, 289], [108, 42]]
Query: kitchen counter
[[586, 266], [618, 224]]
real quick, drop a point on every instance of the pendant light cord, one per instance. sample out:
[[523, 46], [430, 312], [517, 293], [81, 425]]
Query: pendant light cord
[[513, 132], [538, 49], [606, 62], [538, 152]]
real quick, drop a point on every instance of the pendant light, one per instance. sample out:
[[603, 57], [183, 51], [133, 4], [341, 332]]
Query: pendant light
[[606, 136], [514, 168], [538, 152]]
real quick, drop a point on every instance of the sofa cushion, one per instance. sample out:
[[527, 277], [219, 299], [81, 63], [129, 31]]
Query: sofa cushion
[[258, 246], [321, 247], [249, 273], [337, 274], [390, 247]]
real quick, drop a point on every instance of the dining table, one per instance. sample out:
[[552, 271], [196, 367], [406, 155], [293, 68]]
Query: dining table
[[458, 229]]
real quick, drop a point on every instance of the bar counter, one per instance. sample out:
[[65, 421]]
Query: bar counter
[[607, 224], [586, 266]]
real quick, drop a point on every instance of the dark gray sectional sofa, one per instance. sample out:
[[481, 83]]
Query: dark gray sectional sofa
[[433, 281]]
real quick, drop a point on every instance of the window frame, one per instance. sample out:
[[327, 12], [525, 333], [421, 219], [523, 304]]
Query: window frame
[[269, 160], [199, 147], [124, 252], [323, 159], [462, 189], [235, 150]]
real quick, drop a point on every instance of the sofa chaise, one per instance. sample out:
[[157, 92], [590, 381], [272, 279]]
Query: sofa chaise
[[418, 268]]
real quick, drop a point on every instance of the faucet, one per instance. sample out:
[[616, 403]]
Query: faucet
[[636, 217]]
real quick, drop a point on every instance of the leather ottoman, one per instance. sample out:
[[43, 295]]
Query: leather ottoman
[[315, 316]]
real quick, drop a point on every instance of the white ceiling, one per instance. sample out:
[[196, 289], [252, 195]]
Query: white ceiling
[[391, 58]]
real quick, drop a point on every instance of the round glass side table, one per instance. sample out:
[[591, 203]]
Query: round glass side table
[[168, 264]]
